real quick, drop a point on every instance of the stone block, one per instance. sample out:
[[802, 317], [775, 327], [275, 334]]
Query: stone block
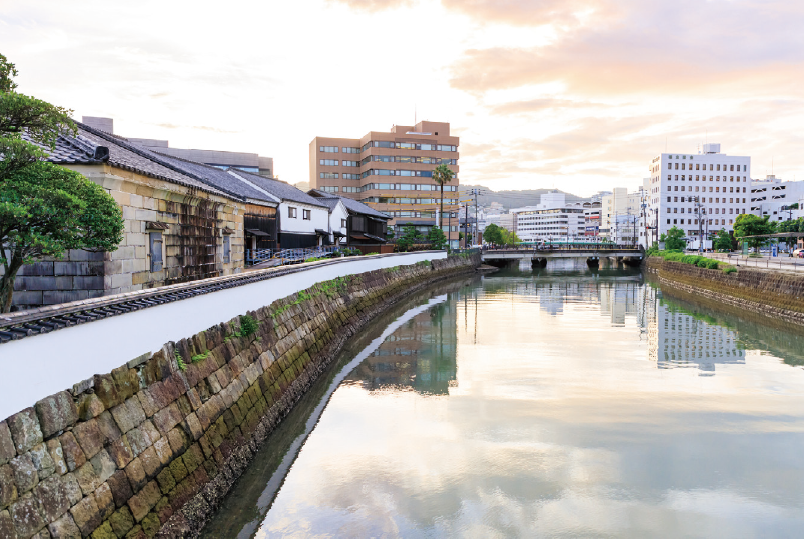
[[86, 515], [142, 502], [150, 462], [166, 481], [163, 451], [120, 488], [89, 406], [86, 282], [7, 525], [26, 516], [104, 531], [108, 426], [64, 527], [150, 431], [126, 381], [54, 297], [138, 441], [150, 524], [95, 472], [73, 488], [193, 427], [41, 458], [73, 454], [89, 437], [106, 390], [53, 498], [79, 255], [37, 268], [25, 430], [121, 452], [177, 440], [56, 413], [25, 476], [7, 449], [8, 487], [105, 501], [129, 414], [167, 418], [122, 521], [56, 453], [149, 404], [136, 475]]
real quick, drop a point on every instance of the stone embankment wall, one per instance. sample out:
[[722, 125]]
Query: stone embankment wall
[[769, 293], [152, 447]]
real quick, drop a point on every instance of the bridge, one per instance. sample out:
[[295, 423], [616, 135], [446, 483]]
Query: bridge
[[539, 256]]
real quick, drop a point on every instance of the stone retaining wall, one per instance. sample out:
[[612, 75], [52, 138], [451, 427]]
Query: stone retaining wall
[[157, 443], [773, 294]]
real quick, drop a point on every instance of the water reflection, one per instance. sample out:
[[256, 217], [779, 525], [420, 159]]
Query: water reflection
[[561, 409], [420, 356]]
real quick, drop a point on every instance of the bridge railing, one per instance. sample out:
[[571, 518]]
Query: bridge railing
[[561, 248]]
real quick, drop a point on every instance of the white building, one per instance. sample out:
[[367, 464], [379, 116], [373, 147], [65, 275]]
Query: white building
[[772, 196], [622, 216], [721, 183], [552, 219]]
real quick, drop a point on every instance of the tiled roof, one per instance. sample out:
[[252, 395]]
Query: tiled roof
[[277, 188], [82, 149], [351, 204], [216, 177]]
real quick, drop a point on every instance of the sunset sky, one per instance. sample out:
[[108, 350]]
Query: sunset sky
[[573, 94]]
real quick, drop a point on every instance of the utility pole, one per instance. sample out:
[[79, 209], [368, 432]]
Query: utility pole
[[700, 224], [477, 232], [466, 227]]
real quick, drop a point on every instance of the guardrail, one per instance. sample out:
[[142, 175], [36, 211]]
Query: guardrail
[[564, 248], [288, 256], [782, 263]]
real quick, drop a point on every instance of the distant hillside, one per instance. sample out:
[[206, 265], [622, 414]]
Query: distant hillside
[[513, 199]]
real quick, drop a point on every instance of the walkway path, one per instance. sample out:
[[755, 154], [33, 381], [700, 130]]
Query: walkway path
[[780, 263]]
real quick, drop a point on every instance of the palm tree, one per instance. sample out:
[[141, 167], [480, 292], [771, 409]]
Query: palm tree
[[441, 175]]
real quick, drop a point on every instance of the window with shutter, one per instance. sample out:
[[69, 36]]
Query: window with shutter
[[156, 250], [226, 250]]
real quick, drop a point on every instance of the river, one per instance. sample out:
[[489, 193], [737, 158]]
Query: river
[[561, 402]]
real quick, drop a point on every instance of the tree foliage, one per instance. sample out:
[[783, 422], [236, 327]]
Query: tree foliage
[[409, 237], [44, 209], [492, 234], [722, 240], [437, 238], [674, 239], [748, 224], [20, 113]]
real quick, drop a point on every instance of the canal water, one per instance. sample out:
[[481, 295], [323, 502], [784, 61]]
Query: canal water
[[561, 402]]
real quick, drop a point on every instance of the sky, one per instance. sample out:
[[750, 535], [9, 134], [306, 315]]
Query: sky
[[578, 95]]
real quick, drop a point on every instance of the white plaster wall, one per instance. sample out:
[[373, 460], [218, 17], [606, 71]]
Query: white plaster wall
[[319, 218], [39, 366], [338, 213]]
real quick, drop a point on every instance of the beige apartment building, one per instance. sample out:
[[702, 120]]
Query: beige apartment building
[[393, 173]]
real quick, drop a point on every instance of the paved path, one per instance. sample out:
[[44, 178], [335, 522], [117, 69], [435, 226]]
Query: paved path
[[780, 263]]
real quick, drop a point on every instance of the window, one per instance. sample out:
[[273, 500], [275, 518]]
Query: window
[[328, 162], [328, 175], [330, 188], [328, 149], [347, 176], [668, 221], [674, 200], [306, 215], [349, 163], [227, 249], [156, 250], [668, 199], [291, 213], [676, 166], [343, 223], [669, 166], [350, 150]]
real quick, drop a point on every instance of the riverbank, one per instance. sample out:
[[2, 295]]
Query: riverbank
[[153, 447], [767, 293]]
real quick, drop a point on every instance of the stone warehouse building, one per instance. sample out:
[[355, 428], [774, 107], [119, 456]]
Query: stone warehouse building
[[178, 228]]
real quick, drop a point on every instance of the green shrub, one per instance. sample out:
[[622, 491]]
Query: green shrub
[[712, 264], [703, 262], [729, 269], [248, 326]]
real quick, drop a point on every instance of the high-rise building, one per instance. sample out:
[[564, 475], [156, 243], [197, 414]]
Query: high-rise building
[[393, 173], [720, 183], [773, 197]]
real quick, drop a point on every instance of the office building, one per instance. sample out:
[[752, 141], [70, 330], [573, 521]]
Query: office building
[[719, 182], [773, 197], [621, 216], [393, 173], [552, 219], [247, 162]]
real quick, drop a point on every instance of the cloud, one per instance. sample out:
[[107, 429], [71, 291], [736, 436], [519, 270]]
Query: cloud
[[374, 5], [531, 13], [199, 127], [538, 105], [650, 47]]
